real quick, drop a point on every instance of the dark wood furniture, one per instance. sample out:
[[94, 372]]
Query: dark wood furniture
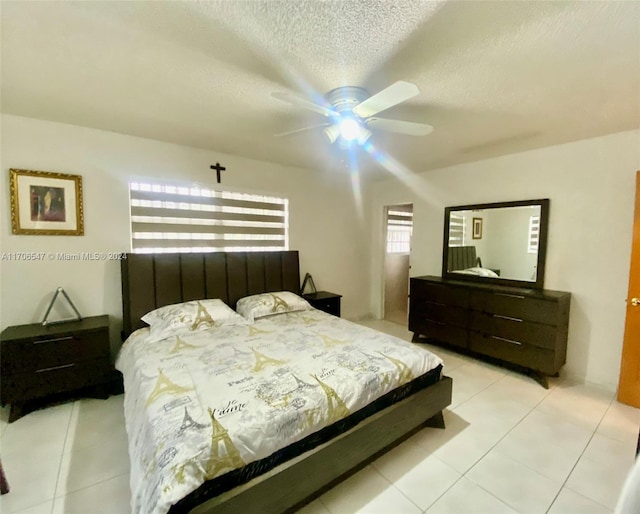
[[325, 301], [150, 281], [40, 361], [524, 327]]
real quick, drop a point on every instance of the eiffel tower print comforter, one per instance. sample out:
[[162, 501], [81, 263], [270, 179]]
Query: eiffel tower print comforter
[[198, 406]]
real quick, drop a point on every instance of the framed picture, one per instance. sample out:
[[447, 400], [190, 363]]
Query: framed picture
[[477, 228], [46, 204]]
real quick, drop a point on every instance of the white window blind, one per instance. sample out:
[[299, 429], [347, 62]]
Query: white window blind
[[534, 233], [457, 230], [399, 228], [170, 218]]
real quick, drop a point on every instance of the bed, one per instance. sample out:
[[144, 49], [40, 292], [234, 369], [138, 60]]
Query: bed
[[463, 260], [353, 433]]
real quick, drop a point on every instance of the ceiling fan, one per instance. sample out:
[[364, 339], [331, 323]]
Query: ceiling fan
[[351, 112]]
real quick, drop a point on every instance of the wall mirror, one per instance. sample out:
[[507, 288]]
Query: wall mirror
[[503, 243]]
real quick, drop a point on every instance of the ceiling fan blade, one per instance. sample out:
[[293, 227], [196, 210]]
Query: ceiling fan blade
[[302, 102], [402, 127], [304, 129], [396, 93], [332, 132]]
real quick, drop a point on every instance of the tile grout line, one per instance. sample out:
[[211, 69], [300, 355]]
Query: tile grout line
[[564, 483], [64, 446], [485, 454], [496, 444]]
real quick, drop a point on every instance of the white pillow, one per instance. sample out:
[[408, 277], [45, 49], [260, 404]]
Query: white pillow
[[265, 304], [189, 317]]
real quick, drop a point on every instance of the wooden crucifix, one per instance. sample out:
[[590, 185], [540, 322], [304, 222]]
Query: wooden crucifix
[[218, 169]]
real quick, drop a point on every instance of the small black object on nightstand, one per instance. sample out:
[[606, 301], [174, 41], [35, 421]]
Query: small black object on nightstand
[[44, 361], [325, 301]]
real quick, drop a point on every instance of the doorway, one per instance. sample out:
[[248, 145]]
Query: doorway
[[629, 384], [397, 255]]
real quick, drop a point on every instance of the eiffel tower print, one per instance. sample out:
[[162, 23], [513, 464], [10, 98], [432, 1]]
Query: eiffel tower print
[[405, 374], [188, 422], [335, 406], [300, 384], [255, 331], [330, 341], [230, 459], [165, 386], [262, 361], [181, 345], [308, 321], [279, 303], [202, 316]]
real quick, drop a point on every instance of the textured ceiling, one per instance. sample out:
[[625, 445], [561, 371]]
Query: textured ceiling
[[494, 77]]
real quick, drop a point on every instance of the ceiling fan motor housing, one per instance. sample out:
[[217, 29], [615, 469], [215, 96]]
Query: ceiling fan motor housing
[[346, 98]]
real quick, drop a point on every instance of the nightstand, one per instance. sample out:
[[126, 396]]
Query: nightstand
[[40, 361], [324, 301]]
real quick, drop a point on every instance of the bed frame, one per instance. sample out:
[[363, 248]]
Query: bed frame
[[150, 281]]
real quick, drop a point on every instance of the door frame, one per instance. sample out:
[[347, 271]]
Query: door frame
[[383, 281], [629, 379]]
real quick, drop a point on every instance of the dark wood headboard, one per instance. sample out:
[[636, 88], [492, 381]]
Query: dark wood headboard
[[462, 257], [150, 281]]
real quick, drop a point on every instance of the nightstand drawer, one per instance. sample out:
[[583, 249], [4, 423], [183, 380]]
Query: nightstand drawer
[[332, 306], [49, 351], [325, 301], [44, 381]]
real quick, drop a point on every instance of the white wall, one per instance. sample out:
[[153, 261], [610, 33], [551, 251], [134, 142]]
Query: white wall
[[325, 224], [591, 187]]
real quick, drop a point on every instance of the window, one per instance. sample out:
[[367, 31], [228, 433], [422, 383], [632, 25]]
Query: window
[[171, 218], [457, 230], [534, 233], [399, 228]]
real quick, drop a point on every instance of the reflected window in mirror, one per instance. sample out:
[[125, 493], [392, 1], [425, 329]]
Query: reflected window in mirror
[[503, 242]]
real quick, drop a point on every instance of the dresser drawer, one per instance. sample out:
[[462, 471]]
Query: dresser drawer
[[49, 351], [444, 295], [45, 381], [516, 306], [440, 331], [514, 352], [536, 334], [440, 313]]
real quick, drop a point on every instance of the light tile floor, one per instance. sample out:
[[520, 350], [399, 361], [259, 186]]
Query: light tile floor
[[510, 446]]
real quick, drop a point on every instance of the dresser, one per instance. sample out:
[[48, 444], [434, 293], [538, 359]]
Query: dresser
[[325, 301], [524, 327], [41, 361]]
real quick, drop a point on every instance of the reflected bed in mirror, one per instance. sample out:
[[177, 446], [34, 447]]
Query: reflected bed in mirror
[[503, 242]]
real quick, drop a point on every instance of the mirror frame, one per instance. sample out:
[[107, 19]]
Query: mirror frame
[[542, 244]]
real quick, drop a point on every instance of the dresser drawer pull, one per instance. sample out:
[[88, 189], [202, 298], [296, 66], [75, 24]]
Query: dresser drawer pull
[[521, 297], [506, 340], [507, 318], [53, 340], [56, 367], [435, 303], [436, 322]]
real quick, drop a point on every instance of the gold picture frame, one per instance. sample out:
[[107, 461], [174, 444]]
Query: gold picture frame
[[477, 228], [45, 203]]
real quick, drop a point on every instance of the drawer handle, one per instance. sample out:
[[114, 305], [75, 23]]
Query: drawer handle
[[435, 303], [506, 340], [507, 318], [53, 340], [436, 322], [55, 367], [511, 295]]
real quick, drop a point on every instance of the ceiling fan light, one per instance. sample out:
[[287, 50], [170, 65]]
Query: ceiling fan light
[[332, 132], [349, 129]]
